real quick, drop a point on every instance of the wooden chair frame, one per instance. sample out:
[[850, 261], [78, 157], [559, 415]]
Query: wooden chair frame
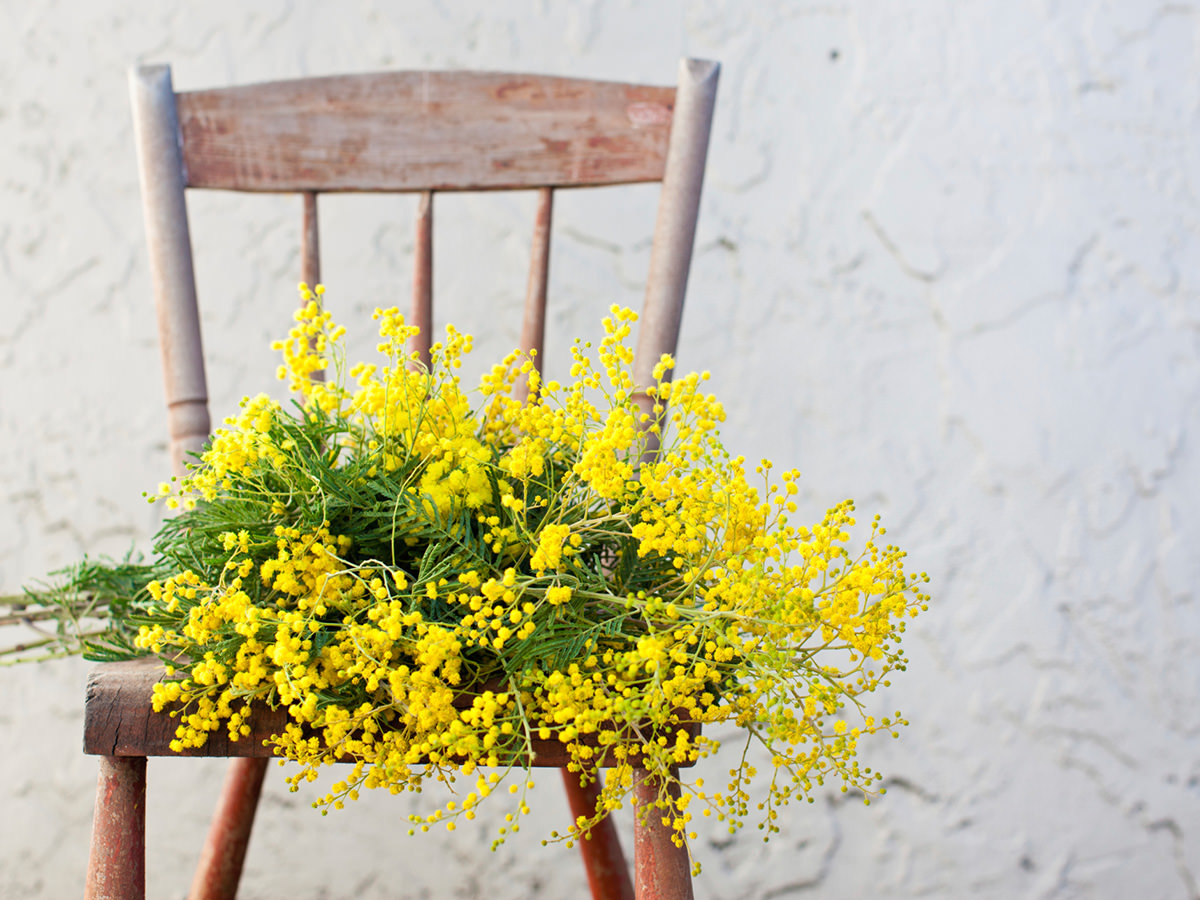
[[422, 132]]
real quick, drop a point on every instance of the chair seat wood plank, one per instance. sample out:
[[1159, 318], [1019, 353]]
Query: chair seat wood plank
[[119, 721]]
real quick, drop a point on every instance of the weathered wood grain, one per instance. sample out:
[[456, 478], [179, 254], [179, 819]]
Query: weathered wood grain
[[224, 853], [408, 131], [533, 325], [422, 285], [117, 861], [118, 721], [156, 132], [661, 868], [310, 242]]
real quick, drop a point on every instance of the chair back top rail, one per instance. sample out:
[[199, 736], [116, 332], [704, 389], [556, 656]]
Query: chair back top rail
[[412, 131]]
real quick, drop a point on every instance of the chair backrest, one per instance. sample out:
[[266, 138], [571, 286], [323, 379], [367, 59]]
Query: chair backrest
[[414, 132]]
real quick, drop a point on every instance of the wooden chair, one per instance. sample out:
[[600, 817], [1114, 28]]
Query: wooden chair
[[397, 132]]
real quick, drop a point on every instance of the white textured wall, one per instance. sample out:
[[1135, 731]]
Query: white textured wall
[[947, 264]]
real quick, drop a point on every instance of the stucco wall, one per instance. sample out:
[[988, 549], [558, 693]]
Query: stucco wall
[[947, 264]]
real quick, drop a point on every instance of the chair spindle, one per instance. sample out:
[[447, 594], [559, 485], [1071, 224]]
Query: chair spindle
[[310, 255], [422, 306], [310, 242], [533, 328]]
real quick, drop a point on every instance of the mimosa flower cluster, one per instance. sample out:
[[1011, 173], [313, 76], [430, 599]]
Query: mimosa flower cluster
[[432, 580]]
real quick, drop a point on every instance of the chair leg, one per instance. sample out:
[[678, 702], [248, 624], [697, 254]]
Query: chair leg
[[117, 863], [220, 866], [662, 869], [607, 873]]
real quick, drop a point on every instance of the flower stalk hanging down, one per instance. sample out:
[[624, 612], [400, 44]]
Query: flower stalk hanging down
[[429, 578]]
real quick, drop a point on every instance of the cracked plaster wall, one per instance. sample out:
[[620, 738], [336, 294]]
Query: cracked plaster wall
[[947, 265]]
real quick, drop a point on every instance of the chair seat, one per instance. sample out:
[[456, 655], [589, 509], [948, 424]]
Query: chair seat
[[119, 721]]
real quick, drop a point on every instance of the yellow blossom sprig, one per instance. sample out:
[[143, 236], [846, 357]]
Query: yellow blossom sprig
[[429, 579]]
